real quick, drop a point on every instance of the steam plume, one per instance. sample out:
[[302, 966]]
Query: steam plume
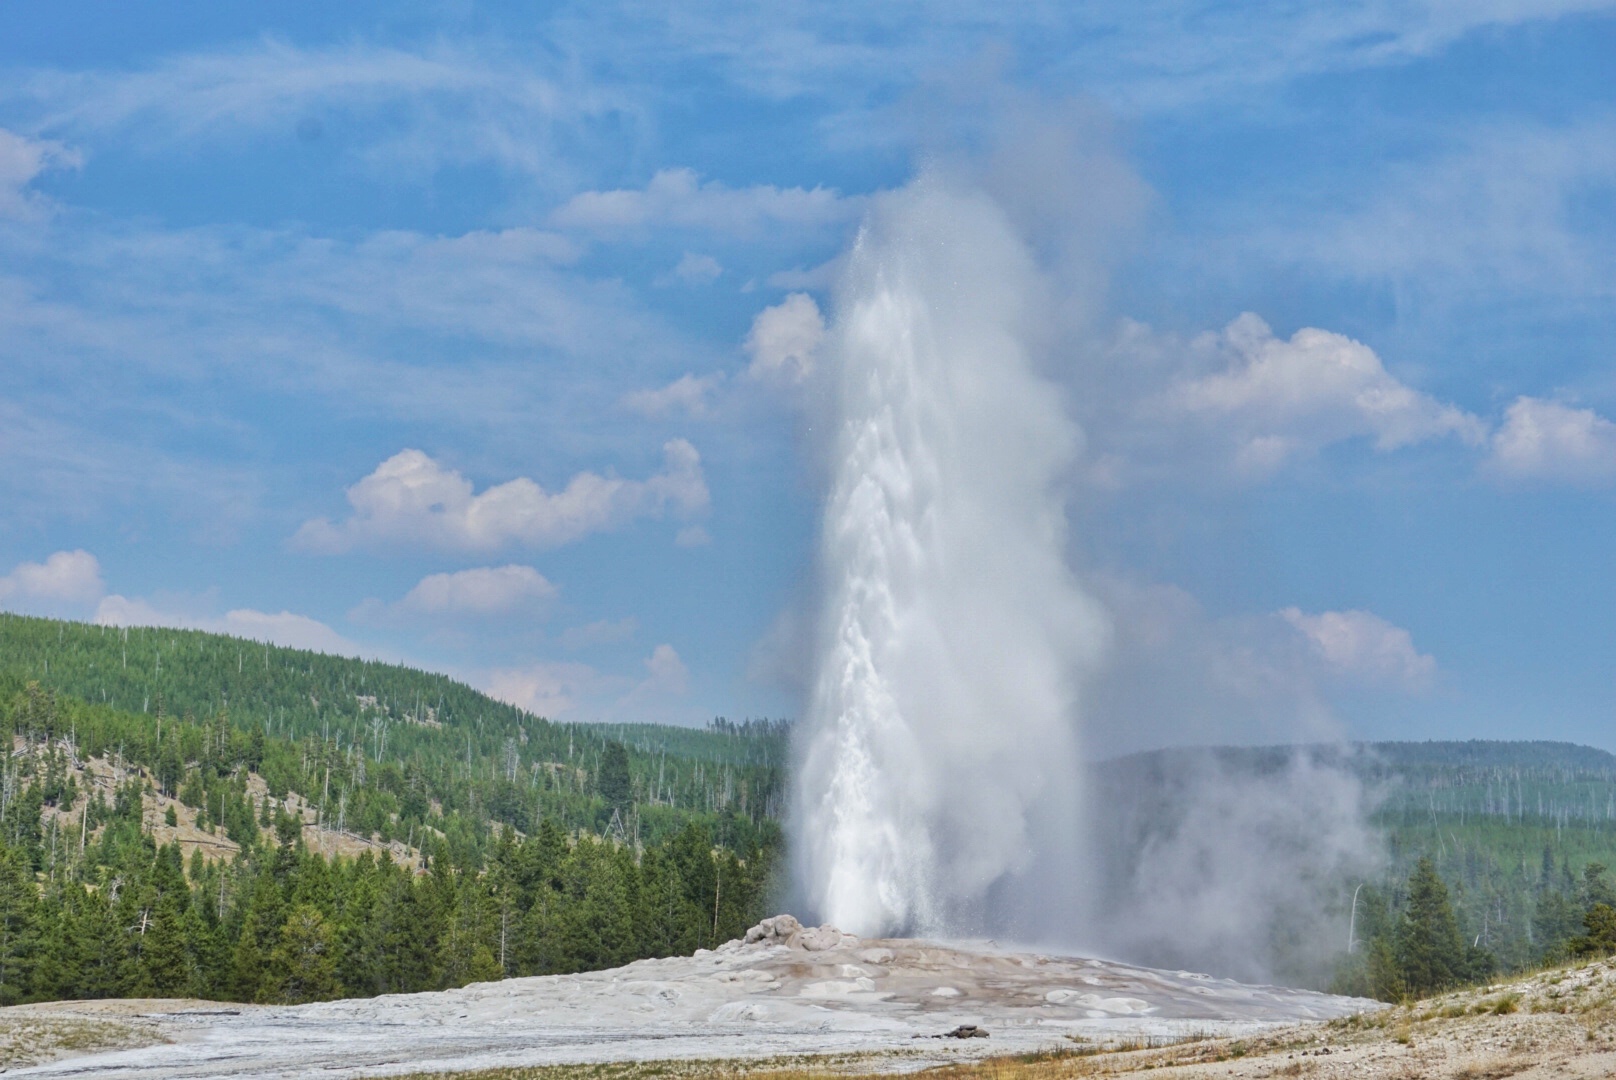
[[939, 755]]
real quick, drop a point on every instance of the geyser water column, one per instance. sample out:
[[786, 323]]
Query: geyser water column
[[936, 787]]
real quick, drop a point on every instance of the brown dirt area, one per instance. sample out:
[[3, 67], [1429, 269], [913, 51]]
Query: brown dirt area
[[101, 776]]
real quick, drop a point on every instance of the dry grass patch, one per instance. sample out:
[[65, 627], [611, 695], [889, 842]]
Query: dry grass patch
[[1123, 1056], [784, 1067], [31, 1040], [1491, 1068]]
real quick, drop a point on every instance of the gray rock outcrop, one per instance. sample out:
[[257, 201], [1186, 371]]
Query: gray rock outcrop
[[786, 930]]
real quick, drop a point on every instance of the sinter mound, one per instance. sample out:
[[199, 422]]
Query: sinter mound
[[782, 989]]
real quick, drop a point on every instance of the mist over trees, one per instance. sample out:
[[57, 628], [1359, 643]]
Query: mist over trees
[[1246, 861]]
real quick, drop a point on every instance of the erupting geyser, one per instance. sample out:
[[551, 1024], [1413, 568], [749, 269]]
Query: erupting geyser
[[937, 788]]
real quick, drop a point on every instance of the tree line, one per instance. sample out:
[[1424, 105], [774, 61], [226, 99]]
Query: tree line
[[285, 924], [92, 906], [1410, 943]]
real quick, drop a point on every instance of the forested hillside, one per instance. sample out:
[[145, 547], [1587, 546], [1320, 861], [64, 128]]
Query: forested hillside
[[177, 820], [395, 741], [1522, 833], [190, 813]]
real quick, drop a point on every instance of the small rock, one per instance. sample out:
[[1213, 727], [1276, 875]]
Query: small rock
[[965, 1031]]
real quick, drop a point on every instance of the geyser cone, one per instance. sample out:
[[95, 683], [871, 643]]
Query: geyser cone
[[937, 784]]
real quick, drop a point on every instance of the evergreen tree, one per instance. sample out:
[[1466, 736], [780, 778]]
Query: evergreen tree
[[1430, 953], [248, 961], [614, 782], [166, 965], [17, 903], [303, 967], [1600, 938], [101, 945]]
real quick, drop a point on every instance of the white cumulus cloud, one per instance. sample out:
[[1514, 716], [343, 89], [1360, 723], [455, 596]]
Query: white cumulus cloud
[[482, 592], [1279, 397], [413, 500], [696, 269], [784, 340], [666, 673], [677, 198], [687, 394], [550, 689], [1360, 643], [570, 689], [1547, 440], [284, 628], [65, 577]]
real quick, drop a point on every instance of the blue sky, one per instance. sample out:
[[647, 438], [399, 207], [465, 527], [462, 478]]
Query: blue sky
[[465, 334]]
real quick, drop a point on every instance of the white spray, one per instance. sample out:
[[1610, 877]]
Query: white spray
[[939, 756]]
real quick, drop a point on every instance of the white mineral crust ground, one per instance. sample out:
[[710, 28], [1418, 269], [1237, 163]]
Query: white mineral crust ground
[[795, 991]]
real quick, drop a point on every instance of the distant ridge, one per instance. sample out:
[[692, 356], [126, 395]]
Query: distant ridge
[[1475, 753]]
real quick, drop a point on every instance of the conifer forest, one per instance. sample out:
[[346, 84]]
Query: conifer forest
[[186, 814], [189, 814]]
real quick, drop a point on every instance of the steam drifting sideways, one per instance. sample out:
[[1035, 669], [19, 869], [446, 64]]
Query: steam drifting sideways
[[939, 769]]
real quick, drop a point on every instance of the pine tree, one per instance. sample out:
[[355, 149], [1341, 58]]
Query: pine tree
[[1600, 938], [17, 903], [101, 945], [56, 969], [1430, 952], [248, 960], [166, 966], [613, 778], [303, 966]]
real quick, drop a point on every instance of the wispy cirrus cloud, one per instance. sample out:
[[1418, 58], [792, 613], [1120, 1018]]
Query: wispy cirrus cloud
[[1485, 205], [21, 160], [600, 632], [399, 109], [679, 199], [1155, 55], [398, 323]]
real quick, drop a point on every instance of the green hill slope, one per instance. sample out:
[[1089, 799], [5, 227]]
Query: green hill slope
[[394, 739], [255, 746], [190, 814]]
